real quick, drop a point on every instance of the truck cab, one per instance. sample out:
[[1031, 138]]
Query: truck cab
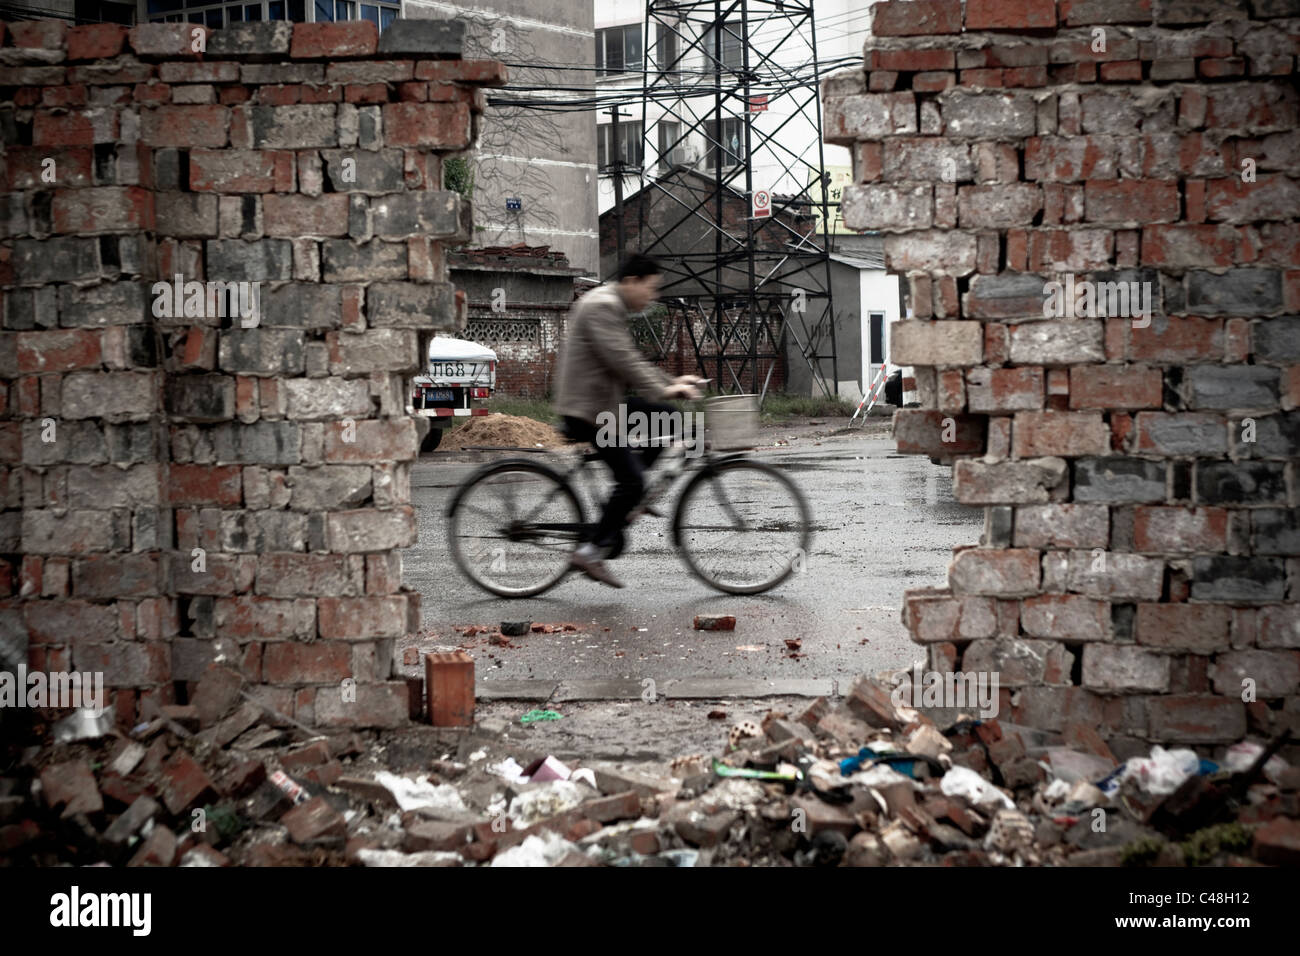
[[458, 372]]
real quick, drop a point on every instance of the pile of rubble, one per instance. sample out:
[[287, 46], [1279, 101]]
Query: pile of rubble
[[862, 782]]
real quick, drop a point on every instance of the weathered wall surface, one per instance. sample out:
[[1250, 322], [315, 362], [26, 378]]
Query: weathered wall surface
[[182, 484], [1138, 472]]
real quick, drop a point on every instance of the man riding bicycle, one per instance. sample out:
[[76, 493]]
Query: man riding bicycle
[[599, 363]]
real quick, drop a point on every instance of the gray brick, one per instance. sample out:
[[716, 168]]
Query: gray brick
[[110, 303], [329, 487], [305, 305], [1274, 531], [1276, 436], [309, 126], [1232, 386], [186, 215], [252, 41], [257, 74], [1241, 483], [411, 305], [1238, 579], [988, 115], [262, 351], [201, 398], [431, 39], [233, 260], [1236, 292], [345, 261], [1278, 339], [61, 259], [1119, 479], [378, 172], [435, 214], [327, 398], [261, 443]]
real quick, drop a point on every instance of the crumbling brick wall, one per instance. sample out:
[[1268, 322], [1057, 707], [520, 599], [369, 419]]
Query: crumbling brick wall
[[1139, 569], [184, 485]]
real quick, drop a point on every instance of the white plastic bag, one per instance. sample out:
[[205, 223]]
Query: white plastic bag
[[964, 782]]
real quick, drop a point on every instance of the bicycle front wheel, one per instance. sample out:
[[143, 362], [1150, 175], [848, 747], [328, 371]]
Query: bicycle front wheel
[[512, 528], [742, 527]]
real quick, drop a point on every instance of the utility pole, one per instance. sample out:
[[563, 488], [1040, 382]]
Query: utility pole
[[617, 167]]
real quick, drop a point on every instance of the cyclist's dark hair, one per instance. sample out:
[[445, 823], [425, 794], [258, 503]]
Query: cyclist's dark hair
[[638, 266]]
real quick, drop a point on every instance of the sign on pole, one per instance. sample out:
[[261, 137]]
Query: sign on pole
[[762, 204], [758, 104]]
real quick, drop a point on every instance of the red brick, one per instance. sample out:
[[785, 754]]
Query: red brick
[[363, 617], [104, 209], [288, 662], [916, 18], [183, 784], [485, 72], [71, 786], [1180, 530], [39, 34], [204, 485], [296, 215], [911, 61], [185, 126], [983, 76], [1270, 197], [1176, 339], [449, 679], [58, 351], [1218, 68], [1010, 14], [241, 171], [1121, 71], [328, 41], [427, 125], [1142, 201], [80, 128], [1037, 434], [314, 820], [1109, 386]]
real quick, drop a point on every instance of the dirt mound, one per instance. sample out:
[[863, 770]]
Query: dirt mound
[[504, 431]]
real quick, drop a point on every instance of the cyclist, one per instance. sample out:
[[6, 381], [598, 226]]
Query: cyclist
[[599, 362]]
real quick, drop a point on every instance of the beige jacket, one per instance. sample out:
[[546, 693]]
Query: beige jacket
[[599, 360]]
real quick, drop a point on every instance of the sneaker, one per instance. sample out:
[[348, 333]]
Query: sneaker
[[594, 568]]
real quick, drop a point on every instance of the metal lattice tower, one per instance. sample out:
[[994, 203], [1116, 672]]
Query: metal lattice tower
[[742, 77]]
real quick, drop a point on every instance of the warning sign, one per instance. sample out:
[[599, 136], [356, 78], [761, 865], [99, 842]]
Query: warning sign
[[758, 104], [762, 204]]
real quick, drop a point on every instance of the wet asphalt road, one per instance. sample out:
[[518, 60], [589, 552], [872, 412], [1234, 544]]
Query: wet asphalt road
[[883, 523]]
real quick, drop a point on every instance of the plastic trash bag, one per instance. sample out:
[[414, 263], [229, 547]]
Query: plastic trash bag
[[964, 782]]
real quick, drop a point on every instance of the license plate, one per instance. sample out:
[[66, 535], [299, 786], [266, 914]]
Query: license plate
[[439, 395], [454, 369]]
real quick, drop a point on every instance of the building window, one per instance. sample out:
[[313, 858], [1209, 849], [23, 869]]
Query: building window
[[618, 50], [732, 140], [629, 145], [733, 49], [217, 14], [667, 56], [670, 134]]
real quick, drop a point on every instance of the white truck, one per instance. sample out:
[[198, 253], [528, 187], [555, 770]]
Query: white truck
[[458, 372]]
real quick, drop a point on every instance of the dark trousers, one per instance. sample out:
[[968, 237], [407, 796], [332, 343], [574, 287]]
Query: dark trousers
[[629, 466]]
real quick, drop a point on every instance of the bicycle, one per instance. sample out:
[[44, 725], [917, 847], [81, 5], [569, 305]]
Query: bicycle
[[740, 526]]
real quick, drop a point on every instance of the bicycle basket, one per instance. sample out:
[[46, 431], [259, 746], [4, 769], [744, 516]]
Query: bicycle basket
[[731, 421]]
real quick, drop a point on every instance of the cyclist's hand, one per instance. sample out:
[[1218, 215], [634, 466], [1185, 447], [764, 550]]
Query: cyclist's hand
[[681, 389]]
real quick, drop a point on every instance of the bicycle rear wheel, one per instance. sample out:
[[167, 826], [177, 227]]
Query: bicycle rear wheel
[[742, 527], [513, 526]]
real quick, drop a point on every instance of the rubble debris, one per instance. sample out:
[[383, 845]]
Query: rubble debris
[[858, 782], [715, 622], [516, 628]]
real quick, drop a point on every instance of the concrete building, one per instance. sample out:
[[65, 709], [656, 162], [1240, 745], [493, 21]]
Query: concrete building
[[533, 172], [655, 139]]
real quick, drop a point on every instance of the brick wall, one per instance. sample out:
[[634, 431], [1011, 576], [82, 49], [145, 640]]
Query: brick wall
[[1141, 555], [181, 486]]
